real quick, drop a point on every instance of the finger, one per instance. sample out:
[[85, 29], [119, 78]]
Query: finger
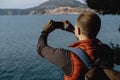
[[65, 21], [48, 24], [52, 21]]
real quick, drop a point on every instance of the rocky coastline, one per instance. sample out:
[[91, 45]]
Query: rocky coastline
[[61, 10], [50, 7]]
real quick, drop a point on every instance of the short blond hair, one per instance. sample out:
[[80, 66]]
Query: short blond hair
[[89, 23]]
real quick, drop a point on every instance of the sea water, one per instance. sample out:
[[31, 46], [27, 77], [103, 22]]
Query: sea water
[[19, 59]]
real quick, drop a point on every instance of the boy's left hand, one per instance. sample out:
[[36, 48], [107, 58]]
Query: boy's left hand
[[49, 26]]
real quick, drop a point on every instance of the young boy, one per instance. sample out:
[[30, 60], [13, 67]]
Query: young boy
[[86, 29]]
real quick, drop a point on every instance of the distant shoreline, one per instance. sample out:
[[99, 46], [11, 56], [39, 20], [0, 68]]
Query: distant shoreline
[[59, 10]]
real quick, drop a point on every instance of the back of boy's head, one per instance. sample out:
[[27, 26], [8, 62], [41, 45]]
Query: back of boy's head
[[89, 24]]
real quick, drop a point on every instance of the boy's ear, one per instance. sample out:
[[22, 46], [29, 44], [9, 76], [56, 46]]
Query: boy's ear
[[78, 30]]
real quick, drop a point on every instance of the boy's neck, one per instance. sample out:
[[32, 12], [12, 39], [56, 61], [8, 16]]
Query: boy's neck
[[82, 37]]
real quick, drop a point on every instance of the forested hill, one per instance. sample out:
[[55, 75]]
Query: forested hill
[[51, 4], [42, 8]]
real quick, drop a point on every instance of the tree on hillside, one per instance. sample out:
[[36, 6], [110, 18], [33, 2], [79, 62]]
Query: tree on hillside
[[105, 6]]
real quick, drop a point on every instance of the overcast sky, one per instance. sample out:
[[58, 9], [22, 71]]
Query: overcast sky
[[21, 4]]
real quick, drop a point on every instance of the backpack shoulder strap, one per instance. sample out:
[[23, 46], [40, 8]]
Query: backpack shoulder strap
[[83, 56]]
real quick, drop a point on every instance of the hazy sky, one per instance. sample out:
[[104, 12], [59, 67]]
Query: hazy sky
[[21, 3]]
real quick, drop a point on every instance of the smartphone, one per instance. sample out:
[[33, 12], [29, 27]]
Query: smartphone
[[59, 24]]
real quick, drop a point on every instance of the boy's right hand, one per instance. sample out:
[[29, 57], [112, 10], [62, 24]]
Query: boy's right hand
[[68, 26]]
